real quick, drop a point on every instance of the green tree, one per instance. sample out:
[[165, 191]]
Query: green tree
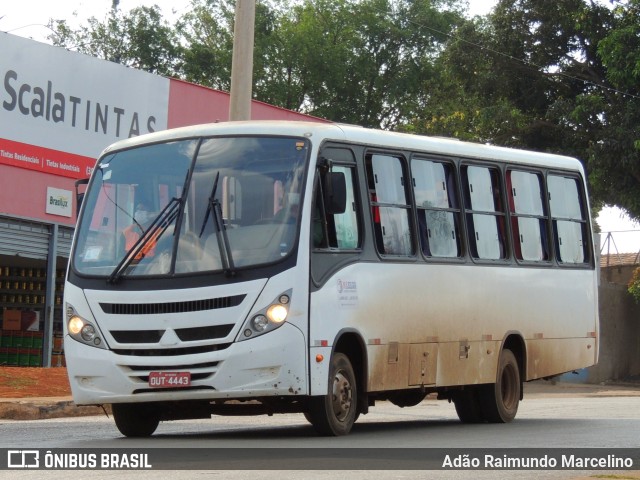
[[139, 39], [634, 285], [614, 161], [207, 32], [512, 69], [558, 76], [549, 75], [349, 61], [363, 61]]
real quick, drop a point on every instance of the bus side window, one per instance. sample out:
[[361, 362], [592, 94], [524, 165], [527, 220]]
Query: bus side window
[[485, 212], [390, 207], [438, 212], [338, 229], [569, 221], [528, 218]]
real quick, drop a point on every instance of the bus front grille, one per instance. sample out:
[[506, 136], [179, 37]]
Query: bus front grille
[[177, 368], [172, 307], [192, 334], [169, 352]]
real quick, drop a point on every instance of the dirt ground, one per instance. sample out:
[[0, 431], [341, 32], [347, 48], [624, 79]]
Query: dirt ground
[[29, 382]]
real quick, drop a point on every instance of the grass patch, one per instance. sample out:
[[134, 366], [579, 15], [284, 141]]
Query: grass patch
[[16, 382]]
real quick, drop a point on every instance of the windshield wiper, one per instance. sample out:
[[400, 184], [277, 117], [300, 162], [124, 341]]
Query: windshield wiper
[[214, 208], [157, 228]]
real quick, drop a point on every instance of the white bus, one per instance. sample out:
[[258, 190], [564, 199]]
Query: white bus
[[270, 267]]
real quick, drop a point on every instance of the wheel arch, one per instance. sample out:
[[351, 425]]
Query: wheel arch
[[515, 342], [350, 343]]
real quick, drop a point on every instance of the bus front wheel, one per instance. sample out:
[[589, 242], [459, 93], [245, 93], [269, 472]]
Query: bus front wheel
[[335, 413], [135, 419], [500, 400]]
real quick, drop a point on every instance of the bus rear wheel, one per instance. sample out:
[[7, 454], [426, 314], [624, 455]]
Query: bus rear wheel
[[136, 419], [335, 413], [499, 401]]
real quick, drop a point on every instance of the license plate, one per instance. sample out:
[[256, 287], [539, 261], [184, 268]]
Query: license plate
[[169, 379]]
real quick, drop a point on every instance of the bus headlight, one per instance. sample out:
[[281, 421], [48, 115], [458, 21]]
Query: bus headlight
[[75, 325], [277, 313], [88, 333], [260, 323], [268, 318], [82, 330]]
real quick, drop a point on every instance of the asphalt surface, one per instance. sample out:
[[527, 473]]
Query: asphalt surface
[[59, 407]]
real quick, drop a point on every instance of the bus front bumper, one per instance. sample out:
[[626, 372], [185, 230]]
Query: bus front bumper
[[274, 364]]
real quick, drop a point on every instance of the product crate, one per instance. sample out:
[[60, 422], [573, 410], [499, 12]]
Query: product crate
[[36, 339], [58, 343], [24, 357], [7, 338], [22, 340], [35, 357], [57, 360], [12, 356]]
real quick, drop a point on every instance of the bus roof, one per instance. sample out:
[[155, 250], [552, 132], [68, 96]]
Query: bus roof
[[357, 135]]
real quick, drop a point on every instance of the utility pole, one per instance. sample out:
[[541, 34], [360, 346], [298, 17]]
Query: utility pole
[[242, 62]]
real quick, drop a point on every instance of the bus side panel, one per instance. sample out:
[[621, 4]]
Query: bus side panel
[[451, 320], [551, 356]]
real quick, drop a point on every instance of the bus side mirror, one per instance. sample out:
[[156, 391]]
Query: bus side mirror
[[80, 194], [335, 193]]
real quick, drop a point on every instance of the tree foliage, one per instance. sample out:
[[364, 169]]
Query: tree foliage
[[549, 75], [615, 156], [349, 61], [558, 76], [141, 39], [207, 32], [634, 285]]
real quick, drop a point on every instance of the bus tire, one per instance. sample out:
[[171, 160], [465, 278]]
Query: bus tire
[[307, 416], [135, 419], [500, 400], [467, 403], [335, 413]]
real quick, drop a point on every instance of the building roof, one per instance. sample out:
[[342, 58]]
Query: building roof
[[619, 259]]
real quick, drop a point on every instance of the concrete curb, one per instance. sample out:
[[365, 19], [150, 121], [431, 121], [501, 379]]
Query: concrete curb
[[40, 409]]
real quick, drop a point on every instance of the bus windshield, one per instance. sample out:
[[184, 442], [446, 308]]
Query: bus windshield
[[194, 205]]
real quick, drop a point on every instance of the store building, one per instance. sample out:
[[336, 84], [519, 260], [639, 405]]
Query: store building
[[58, 111]]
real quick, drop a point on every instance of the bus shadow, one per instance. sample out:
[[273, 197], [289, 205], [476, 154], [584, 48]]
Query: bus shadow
[[364, 429]]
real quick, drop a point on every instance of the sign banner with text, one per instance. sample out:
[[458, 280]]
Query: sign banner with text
[[578, 459], [45, 160], [65, 101]]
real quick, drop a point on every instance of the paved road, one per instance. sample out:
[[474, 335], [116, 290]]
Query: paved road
[[566, 417]]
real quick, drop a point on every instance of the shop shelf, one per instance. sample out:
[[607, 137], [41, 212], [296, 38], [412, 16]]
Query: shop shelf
[[12, 356], [35, 357]]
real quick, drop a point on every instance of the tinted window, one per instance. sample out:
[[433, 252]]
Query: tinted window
[[337, 229], [437, 208], [485, 214], [389, 205], [528, 221], [569, 222]]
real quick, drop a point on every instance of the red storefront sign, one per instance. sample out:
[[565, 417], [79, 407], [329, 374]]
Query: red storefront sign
[[45, 160]]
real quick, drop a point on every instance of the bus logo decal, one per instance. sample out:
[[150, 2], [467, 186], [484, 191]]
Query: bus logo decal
[[347, 293]]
